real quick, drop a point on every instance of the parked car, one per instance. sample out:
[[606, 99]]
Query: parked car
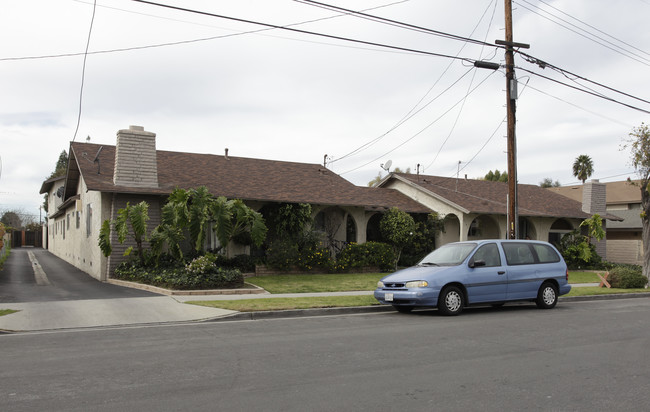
[[479, 272]]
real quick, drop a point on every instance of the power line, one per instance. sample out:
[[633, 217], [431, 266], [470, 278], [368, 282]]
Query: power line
[[292, 29], [610, 45], [396, 23], [411, 113], [584, 91], [83, 71], [463, 105], [176, 43], [544, 64], [423, 129]]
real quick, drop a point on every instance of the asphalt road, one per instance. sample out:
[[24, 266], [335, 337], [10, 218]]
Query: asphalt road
[[62, 281], [580, 356]]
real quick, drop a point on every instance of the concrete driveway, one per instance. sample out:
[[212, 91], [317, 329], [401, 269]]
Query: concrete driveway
[[49, 293]]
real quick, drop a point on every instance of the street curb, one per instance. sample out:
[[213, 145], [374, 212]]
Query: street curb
[[250, 290], [297, 313]]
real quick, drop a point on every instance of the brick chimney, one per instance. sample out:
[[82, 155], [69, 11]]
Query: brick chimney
[[594, 197], [136, 164]]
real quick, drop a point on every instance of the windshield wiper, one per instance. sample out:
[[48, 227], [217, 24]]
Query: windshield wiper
[[429, 264]]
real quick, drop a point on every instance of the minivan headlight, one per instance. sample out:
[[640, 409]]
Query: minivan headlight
[[417, 284], [380, 284]]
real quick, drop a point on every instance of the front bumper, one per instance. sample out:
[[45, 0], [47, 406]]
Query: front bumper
[[408, 297]]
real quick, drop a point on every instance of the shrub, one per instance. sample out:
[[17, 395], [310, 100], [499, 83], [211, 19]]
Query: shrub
[[282, 254], [244, 263], [626, 277], [578, 253], [305, 253], [200, 273], [355, 256]]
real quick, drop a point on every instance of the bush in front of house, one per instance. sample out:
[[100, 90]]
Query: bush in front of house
[[245, 263], [200, 273], [303, 252], [627, 277], [356, 256]]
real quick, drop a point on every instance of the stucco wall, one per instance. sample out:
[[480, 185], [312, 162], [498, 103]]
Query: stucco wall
[[73, 236]]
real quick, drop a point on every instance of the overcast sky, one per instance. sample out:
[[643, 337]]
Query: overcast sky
[[290, 96]]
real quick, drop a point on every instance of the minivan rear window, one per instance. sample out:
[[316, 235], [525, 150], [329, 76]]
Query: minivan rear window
[[546, 254], [518, 253]]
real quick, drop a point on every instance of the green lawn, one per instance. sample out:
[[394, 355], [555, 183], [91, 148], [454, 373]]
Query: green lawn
[[7, 312], [339, 282], [595, 290], [584, 277], [277, 284]]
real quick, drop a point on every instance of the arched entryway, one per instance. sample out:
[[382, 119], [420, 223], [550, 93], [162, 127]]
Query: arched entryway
[[373, 234], [483, 227], [559, 228], [527, 229]]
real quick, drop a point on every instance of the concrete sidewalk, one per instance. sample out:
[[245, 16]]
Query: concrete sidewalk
[[39, 316]]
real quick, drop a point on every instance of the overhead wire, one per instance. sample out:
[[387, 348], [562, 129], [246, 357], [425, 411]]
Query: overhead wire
[[300, 31], [601, 41], [469, 86], [410, 114], [584, 91], [544, 64], [181, 42], [83, 71], [423, 129], [397, 23]]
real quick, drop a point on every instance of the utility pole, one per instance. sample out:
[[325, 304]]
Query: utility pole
[[511, 97]]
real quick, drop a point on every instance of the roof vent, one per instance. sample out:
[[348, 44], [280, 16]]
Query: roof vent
[[226, 155]]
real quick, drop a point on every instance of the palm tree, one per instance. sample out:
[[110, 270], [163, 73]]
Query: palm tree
[[583, 167]]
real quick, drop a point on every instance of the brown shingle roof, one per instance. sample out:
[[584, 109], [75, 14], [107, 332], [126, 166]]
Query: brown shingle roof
[[486, 197], [241, 178]]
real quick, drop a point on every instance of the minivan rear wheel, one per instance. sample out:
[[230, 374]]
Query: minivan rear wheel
[[547, 296], [451, 301]]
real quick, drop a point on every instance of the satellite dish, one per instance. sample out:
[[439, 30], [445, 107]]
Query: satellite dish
[[386, 166]]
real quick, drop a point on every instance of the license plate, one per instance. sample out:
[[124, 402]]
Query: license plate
[[388, 297]]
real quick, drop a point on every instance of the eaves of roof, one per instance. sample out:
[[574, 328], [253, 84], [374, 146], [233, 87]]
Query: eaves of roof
[[487, 197], [238, 178]]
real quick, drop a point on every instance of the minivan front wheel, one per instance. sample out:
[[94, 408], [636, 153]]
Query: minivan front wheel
[[450, 301], [547, 296]]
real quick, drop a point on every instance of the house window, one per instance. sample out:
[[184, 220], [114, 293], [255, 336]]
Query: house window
[[78, 219], [67, 217], [89, 219], [63, 228]]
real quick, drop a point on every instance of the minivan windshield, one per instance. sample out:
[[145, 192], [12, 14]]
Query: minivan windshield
[[451, 254]]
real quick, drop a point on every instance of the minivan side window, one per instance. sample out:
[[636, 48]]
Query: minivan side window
[[489, 254], [546, 254], [518, 253]]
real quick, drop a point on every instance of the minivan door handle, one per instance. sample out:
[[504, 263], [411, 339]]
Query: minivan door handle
[[501, 272]]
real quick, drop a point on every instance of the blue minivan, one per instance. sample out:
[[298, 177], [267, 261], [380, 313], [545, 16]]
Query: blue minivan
[[479, 272]]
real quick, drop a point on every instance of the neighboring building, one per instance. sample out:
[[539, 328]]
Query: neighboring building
[[624, 237], [101, 179], [477, 209]]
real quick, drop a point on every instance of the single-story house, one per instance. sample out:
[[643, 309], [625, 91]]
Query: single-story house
[[477, 209], [101, 179], [624, 237]]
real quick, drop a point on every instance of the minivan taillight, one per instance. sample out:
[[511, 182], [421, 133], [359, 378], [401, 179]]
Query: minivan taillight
[[567, 275]]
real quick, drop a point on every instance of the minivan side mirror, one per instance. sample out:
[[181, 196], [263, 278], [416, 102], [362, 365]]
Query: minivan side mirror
[[476, 263]]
